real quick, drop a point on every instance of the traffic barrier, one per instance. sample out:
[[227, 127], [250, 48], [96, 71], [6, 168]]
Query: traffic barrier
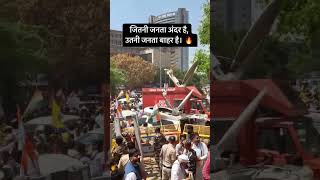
[[203, 131]]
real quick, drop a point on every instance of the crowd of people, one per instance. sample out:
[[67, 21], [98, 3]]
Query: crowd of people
[[310, 96], [184, 159], [53, 141]]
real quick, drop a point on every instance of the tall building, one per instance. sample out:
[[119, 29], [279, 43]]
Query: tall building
[[178, 57], [236, 15], [159, 55], [116, 45]]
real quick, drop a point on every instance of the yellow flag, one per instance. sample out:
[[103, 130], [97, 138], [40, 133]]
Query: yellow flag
[[127, 97], [56, 115]]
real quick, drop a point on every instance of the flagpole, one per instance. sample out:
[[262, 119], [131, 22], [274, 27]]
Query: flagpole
[[138, 139]]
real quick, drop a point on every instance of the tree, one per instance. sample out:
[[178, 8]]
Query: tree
[[204, 63], [301, 19], [117, 78], [204, 35], [204, 28], [287, 52], [137, 71], [197, 79], [78, 42], [23, 56]]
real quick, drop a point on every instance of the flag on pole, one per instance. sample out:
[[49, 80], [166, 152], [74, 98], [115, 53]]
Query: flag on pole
[[34, 103], [56, 115], [120, 94], [29, 160], [155, 116], [118, 109], [156, 113], [20, 129], [127, 97]]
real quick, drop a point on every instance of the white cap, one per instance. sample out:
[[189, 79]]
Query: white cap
[[183, 158]]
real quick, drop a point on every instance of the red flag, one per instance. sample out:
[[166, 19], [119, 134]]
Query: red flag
[[119, 111], [29, 160]]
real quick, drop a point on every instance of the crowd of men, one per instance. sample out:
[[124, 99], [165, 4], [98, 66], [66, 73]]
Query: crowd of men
[[185, 159], [53, 141]]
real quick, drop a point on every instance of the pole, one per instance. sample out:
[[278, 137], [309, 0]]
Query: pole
[[106, 127], [138, 139], [160, 68]]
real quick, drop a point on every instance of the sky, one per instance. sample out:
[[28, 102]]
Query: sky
[[138, 11]]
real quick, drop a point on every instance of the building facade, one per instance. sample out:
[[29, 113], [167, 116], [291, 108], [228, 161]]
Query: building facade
[[237, 15], [161, 57], [177, 57], [116, 45]]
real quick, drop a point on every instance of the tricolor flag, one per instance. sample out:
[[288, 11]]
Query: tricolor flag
[[155, 116], [34, 103], [118, 109], [29, 160], [56, 115], [156, 113]]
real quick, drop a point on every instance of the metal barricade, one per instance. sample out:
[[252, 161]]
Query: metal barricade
[[203, 131]]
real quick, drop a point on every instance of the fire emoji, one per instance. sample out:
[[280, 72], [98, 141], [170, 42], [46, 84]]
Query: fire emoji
[[189, 40]]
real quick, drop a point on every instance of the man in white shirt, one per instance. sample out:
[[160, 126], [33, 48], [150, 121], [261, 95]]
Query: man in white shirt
[[202, 154], [180, 146], [178, 171]]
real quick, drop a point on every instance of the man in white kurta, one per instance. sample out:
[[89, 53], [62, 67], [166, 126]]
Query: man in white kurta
[[202, 154], [178, 171]]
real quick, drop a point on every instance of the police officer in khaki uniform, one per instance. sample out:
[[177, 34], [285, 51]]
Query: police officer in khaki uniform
[[159, 141]]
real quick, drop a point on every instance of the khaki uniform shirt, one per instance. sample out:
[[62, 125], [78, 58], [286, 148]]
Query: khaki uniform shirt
[[168, 155]]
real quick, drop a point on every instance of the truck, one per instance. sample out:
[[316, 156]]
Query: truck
[[277, 134], [175, 95]]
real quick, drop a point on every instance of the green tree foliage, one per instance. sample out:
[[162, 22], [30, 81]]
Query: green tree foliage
[[203, 68], [197, 79], [23, 56], [204, 28], [117, 77], [288, 52], [204, 35], [78, 41], [301, 17]]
